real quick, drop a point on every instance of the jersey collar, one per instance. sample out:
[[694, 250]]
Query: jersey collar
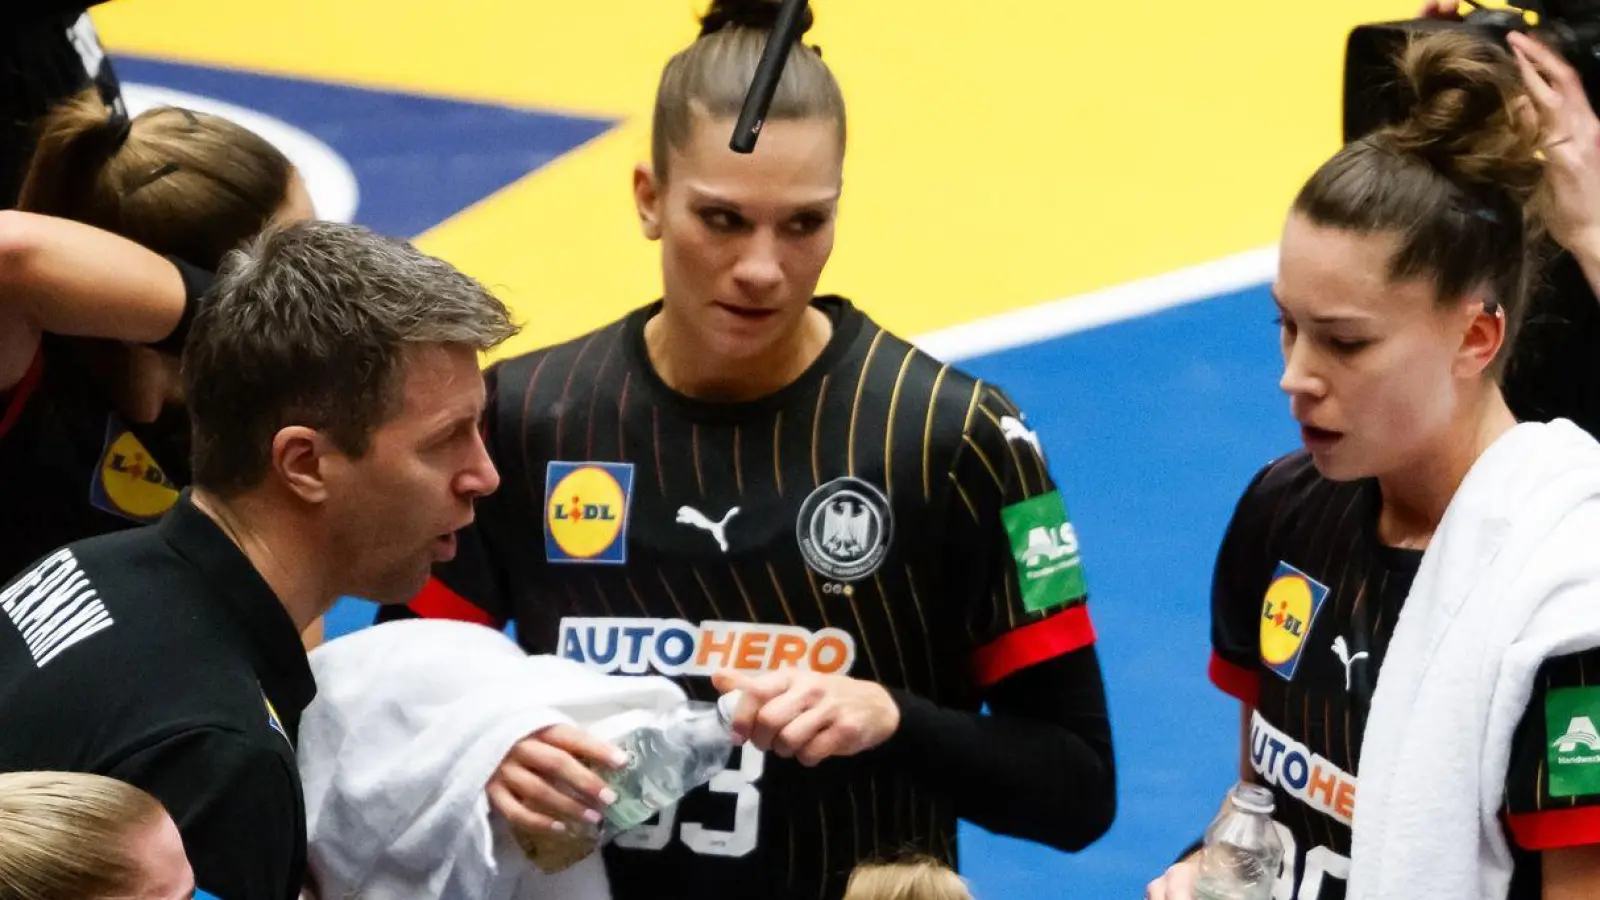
[[277, 653]]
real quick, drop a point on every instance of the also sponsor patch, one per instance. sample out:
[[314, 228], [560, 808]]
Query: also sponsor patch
[[1287, 611], [1045, 548], [586, 512], [1574, 745], [129, 482]]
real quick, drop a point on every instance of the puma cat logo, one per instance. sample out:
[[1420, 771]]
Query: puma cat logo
[[694, 518], [1342, 650]]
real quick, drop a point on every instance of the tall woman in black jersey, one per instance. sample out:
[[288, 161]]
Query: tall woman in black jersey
[[1404, 270], [119, 224], [746, 485]]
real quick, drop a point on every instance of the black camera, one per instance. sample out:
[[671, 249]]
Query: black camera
[[1372, 92]]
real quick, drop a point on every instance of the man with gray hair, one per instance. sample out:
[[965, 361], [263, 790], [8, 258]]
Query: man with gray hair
[[333, 384]]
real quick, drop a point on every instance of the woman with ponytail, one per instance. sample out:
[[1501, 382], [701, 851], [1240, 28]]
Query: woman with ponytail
[[749, 486], [119, 225], [1406, 608]]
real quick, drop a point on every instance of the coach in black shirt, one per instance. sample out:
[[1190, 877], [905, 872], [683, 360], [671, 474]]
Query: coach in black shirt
[[334, 389]]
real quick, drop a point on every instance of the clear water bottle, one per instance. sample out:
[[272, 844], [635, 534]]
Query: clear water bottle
[[669, 756], [1242, 852]]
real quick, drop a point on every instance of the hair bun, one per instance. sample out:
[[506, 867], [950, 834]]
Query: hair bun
[[1465, 118], [760, 15]]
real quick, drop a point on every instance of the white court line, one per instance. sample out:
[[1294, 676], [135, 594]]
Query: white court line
[[1103, 307]]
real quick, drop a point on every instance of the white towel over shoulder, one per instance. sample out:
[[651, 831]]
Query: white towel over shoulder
[[410, 721], [1510, 579]]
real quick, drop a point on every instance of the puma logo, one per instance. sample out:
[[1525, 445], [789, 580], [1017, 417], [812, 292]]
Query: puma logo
[[694, 518], [1013, 430], [1342, 650]]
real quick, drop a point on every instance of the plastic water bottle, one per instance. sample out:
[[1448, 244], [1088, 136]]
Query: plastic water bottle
[[1242, 852], [669, 756]]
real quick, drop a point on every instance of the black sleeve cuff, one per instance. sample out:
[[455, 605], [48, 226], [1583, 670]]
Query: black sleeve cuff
[[196, 283]]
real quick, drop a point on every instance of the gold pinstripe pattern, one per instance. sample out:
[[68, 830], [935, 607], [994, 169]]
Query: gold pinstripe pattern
[[816, 430], [855, 405], [927, 434], [888, 427]]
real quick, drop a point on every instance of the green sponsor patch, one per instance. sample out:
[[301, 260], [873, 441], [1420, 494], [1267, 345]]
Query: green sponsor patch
[[1574, 748], [1045, 548]]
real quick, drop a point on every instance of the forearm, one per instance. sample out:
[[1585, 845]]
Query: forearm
[[72, 279], [1039, 768], [1587, 254]]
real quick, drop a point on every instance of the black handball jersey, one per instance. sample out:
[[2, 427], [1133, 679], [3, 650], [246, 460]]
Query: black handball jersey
[[1304, 601], [885, 516], [71, 467]]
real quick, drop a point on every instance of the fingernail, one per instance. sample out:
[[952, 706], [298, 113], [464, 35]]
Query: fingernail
[[619, 759], [608, 796], [591, 816], [558, 826]]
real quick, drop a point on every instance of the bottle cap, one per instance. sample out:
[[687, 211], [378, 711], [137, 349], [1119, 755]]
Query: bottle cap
[[727, 704], [1252, 798]]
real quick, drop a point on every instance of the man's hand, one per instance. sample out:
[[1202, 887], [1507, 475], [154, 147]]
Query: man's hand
[[1441, 9], [1571, 146], [810, 717], [545, 781]]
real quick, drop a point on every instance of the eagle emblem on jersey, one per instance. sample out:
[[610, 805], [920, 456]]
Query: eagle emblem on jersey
[[129, 482], [844, 529], [1287, 611]]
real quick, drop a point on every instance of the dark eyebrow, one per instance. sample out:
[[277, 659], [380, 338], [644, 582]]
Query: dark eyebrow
[[1319, 320]]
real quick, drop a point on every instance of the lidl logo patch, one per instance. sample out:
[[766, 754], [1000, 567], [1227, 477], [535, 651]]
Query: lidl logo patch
[[586, 512], [1045, 548], [129, 482], [1287, 612], [1574, 749]]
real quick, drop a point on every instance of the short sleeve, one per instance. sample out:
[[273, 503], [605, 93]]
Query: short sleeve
[[1015, 552], [1553, 782], [1238, 582]]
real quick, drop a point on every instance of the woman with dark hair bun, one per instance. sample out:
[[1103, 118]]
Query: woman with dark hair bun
[[1405, 608]]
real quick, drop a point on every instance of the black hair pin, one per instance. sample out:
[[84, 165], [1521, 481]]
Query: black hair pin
[[790, 24], [149, 178]]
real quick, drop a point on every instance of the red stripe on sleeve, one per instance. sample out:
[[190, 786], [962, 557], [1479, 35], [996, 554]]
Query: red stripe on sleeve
[[437, 601], [1062, 633], [1554, 829], [1236, 681], [21, 392]]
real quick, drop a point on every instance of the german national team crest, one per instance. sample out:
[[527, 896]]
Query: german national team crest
[[586, 512], [844, 529], [129, 482], [1287, 612]]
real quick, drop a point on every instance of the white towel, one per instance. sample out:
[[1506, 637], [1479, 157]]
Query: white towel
[[410, 721], [1511, 578]]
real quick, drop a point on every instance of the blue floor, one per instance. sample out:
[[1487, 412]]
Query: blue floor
[[1153, 426]]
